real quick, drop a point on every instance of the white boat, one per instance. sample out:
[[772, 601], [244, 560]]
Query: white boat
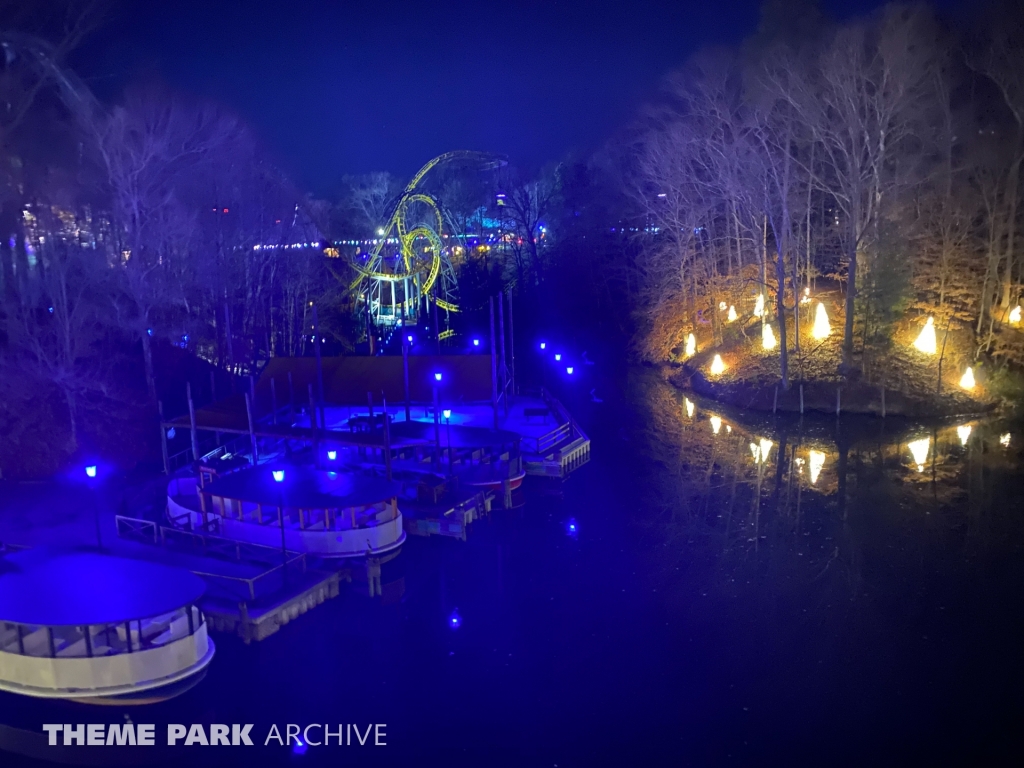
[[86, 626], [296, 508]]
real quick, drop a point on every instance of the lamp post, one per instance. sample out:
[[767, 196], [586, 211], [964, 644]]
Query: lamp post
[[278, 475], [437, 419], [448, 435], [90, 473]]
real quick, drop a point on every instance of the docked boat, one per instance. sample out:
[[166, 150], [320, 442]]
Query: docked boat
[[100, 629], [297, 508]]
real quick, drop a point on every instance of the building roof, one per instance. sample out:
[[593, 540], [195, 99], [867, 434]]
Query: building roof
[[303, 487], [68, 587]]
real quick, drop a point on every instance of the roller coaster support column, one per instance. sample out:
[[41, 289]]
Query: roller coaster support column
[[405, 374], [501, 330]]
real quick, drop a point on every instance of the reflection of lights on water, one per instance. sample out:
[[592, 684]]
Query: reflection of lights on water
[[732, 315], [816, 460], [919, 450], [767, 337], [964, 431], [761, 451], [716, 424], [691, 345], [759, 305], [1004, 440], [717, 366], [967, 380], [821, 328], [925, 341], [689, 407]]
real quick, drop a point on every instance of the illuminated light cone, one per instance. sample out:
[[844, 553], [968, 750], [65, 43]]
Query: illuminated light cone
[[821, 329], [925, 341], [919, 450], [767, 337], [689, 408], [964, 432], [716, 424], [1015, 315], [967, 380], [721, 305], [717, 366], [732, 314], [760, 452], [691, 345], [815, 463], [759, 305]]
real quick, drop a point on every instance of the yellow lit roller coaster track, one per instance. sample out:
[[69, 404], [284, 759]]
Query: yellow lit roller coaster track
[[416, 218]]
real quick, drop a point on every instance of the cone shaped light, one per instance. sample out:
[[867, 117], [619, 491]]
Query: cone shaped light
[[689, 408], [967, 380], [767, 337], [815, 463], [691, 345], [821, 329], [1015, 315], [925, 341], [919, 450], [717, 366], [732, 314], [963, 432], [716, 424]]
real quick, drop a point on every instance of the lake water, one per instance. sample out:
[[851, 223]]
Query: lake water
[[694, 596]]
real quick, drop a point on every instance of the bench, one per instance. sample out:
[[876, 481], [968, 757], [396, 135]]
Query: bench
[[543, 413]]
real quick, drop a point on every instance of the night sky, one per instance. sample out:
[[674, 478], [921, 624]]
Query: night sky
[[350, 87]]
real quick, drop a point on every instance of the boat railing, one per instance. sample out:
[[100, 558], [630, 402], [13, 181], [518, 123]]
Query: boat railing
[[566, 431], [133, 528], [250, 585]]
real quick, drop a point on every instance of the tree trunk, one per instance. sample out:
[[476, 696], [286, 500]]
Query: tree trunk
[[147, 358]]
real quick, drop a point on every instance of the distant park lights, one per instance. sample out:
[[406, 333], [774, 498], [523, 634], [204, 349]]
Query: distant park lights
[[332, 455], [543, 345], [689, 407], [722, 306], [717, 366], [558, 357], [455, 621], [691, 345], [967, 380], [767, 337], [759, 305], [806, 298], [919, 450], [572, 528], [447, 413], [409, 338], [821, 328], [1014, 315], [716, 424], [569, 370], [816, 460], [278, 475], [90, 471], [731, 317], [925, 341], [964, 433], [437, 376], [476, 342]]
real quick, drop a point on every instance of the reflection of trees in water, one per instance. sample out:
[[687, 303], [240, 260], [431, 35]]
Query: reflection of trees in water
[[714, 508]]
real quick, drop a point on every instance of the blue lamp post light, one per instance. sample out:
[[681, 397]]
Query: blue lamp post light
[[558, 357], [569, 370], [476, 342], [332, 455], [454, 621], [91, 473]]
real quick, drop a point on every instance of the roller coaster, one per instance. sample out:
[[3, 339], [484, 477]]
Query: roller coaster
[[410, 264]]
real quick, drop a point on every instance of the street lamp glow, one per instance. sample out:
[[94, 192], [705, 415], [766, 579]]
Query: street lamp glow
[[731, 317], [476, 342], [569, 370], [278, 475], [332, 455], [447, 413], [543, 345], [717, 366], [821, 329], [90, 471], [967, 380], [558, 358], [691, 345], [925, 341], [767, 336], [437, 376], [409, 338], [919, 450], [816, 462], [964, 433]]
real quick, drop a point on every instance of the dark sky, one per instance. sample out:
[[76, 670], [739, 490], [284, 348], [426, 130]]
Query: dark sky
[[349, 87]]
